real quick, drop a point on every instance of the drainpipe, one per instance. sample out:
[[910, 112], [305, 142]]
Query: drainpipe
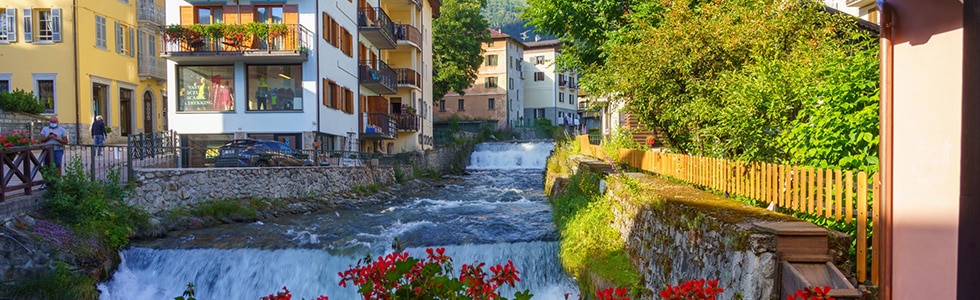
[[319, 81], [78, 81], [887, 103]]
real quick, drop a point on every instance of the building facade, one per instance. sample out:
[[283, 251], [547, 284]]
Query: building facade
[[310, 74], [87, 59], [550, 93], [498, 91], [394, 67]]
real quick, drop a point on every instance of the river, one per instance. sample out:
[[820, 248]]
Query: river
[[496, 212]]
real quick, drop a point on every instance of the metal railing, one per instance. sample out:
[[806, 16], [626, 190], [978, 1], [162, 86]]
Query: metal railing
[[296, 39], [379, 124], [406, 32], [148, 11], [375, 17], [407, 122], [150, 65], [409, 76], [383, 75]]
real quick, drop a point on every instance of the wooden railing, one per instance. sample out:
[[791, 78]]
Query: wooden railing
[[834, 194], [21, 169]]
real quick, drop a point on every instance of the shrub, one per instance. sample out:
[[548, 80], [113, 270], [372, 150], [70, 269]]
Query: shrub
[[60, 283], [20, 101], [92, 207]]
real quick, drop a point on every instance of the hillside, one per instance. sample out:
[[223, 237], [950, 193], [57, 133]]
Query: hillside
[[505, 14]]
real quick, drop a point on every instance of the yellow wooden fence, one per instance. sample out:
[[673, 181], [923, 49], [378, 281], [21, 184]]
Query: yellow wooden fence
[[834, 194]]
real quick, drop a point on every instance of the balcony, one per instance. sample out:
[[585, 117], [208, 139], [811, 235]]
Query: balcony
[[187, 44], [375, 25], [378, 126], [408, 35], [381, 79], [151, 66], [407, 122], [409, 78], [148, 12]]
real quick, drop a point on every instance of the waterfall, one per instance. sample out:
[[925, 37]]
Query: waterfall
[[252, 273], [504, 155]]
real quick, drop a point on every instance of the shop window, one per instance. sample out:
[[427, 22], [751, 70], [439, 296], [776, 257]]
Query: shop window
[[275, 87], [205, 88]]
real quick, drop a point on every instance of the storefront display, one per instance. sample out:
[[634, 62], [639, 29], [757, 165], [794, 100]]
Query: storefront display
[[275, 87], [205, 88]]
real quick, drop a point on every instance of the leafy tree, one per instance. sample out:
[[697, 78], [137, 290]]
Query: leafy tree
[[746, 79], [582, 24], [457, 49]]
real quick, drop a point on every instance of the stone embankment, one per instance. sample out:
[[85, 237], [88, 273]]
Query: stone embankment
[[674, 232]]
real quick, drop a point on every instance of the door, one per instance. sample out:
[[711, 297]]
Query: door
[[148, 112], [126, 111], [100, 101]]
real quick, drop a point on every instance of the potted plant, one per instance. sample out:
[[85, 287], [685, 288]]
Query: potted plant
[[260, 30], [409, 109], [174, 33], [235, 35], [277, 35]]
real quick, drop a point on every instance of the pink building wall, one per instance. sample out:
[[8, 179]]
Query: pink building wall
[[928, 82]]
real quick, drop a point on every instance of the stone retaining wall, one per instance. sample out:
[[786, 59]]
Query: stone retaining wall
[[164, 189], [678, 233]]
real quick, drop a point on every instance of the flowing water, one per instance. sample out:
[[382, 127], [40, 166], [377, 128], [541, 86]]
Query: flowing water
[[494, 213]]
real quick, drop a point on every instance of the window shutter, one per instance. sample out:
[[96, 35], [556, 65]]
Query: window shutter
[[11, 25], [132, 49], [119, 38], [28, 26], [56, 24]]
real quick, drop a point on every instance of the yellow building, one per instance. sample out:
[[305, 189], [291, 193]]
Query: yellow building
[[97, 58], [395, 84]]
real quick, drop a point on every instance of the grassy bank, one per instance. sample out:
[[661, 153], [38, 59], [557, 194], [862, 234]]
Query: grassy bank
[[590, 249]]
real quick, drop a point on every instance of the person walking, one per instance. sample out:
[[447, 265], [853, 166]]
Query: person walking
[[57, 137], [98, 134]]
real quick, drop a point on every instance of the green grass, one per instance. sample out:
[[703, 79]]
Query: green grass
[[585, 247], [60, 283]]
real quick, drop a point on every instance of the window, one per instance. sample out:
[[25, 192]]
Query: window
[[5, 82], [539, 60], [490, 104], [46, 21], [348, 101], [538, 76], [442, 105], [510, 63], [510, 83], [517, 63], [274, 87], [100, 38], [347, 42], [124, 39], [209, 15], [8, 25], [461, 107], [44, 89], [561, 97], [491, 82], [205, 88], [326, 20], [492, 60]]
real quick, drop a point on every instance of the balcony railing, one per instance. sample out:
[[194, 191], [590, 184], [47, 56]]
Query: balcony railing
[[375, 25], [378, 126], [409, 77], [152, 66], [290, 47], [381, 79], [147, 11], [409, 33], [408, 122]]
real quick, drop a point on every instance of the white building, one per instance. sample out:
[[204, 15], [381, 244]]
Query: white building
[[310, 82], [550, 93]]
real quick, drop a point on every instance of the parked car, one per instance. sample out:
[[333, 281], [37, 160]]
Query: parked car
[[259, 153]]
